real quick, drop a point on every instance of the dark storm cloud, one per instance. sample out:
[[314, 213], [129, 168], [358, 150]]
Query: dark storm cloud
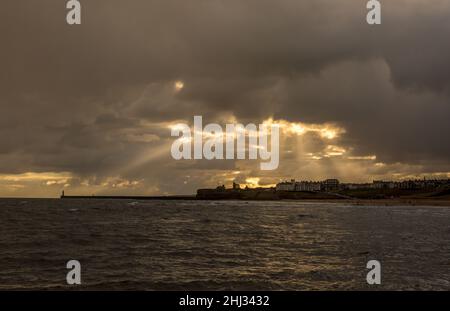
[[86, 99]]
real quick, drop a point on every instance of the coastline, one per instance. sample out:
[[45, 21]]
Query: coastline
[[384, 202], [444, 202]]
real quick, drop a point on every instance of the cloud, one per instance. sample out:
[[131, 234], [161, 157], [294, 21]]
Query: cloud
[[96, 100]]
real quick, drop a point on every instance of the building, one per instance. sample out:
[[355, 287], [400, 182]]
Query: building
[[221, 188], [407, 185], [299, 186], [286, 186], [379, 184], [334, 185], [330, 185], [307, 186]]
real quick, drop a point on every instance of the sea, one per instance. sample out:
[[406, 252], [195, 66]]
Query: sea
[[221, 245]]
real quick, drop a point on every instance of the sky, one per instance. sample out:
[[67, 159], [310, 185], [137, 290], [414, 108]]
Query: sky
[[88, 108]]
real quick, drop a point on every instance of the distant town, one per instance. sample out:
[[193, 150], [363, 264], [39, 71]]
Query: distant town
[[333, 189], [334, 185], [329, 189]]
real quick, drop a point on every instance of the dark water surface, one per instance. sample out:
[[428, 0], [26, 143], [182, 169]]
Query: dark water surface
[[178, 245]]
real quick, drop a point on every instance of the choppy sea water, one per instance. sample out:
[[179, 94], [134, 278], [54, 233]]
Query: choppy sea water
[[202, 245]]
